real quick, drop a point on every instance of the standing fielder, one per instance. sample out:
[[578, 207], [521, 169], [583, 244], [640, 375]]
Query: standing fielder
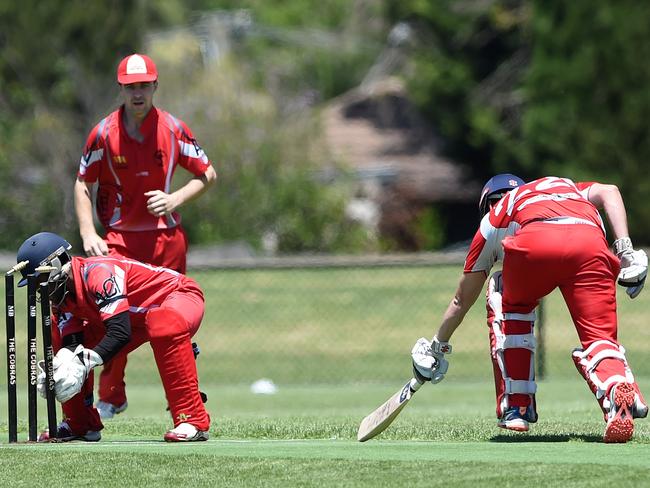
[[549, 235], [110, 305], [131, 156]]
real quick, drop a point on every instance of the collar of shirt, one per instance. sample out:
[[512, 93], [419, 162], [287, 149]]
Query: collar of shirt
[[148, 124]]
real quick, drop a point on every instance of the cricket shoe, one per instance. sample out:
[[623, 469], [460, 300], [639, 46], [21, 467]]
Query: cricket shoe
[[640, 410], [64, 434], [620, 420], [107, 410], [517, 419], [186, 433]]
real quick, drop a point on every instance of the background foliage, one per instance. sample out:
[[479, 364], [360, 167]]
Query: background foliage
[[516, 85], [530, 87]]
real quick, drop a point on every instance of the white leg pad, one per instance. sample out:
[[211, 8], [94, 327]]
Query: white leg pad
[[587, 364], [520, 386], [502, 342]]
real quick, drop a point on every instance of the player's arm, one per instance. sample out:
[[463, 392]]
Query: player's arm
[[429, 363], [161, 203], [634, 264], [191, 157], [609, 198], [469, 289], [93, 244], [73, 362], [118, 335]]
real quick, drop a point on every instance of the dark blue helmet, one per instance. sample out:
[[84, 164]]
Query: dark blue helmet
[[43, 249], [495, 188]]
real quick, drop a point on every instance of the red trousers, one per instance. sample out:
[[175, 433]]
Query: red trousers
[[168, 248], [576, 259], [165, 247], [169, 329]]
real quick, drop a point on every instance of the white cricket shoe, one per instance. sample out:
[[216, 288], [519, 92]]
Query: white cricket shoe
[[107, 410], [186, 433]]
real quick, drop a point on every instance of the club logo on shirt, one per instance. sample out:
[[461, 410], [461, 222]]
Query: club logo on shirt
[[110, 289], [119, 160], [158, 157]]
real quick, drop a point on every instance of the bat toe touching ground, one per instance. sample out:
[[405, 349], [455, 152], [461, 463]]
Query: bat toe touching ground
[[376, 422]]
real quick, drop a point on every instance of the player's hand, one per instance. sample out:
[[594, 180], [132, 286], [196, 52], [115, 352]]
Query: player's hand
[[71, 369], [94, 245], [634, 266], [160, 203], [41, 379], [429, 363]]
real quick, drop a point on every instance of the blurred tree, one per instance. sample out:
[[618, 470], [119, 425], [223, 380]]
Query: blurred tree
[[468, 59], [57, 61], [267, 162], [530, 87], [587, 98]]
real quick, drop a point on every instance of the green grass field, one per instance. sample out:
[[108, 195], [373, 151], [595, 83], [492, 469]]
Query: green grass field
[[305, 436], [337, 342]]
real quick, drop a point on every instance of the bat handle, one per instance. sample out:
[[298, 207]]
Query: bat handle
[[415, 385]]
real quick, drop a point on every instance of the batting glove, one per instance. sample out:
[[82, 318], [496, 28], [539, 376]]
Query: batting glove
[[72, 370], [634, 266], [429, 363]]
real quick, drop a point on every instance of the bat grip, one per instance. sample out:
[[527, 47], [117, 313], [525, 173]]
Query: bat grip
[[415, 385]]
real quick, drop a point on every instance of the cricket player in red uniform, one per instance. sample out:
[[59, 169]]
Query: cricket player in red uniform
[[107, 305], [131, 156], [549, 234]]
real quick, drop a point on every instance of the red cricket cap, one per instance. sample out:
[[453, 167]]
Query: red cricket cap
[[136, 68]]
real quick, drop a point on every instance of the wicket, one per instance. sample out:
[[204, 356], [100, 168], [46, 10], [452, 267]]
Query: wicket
[[12, 355]]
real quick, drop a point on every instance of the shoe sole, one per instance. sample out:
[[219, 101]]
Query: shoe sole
[[621, 427], [121, 408], [518, 427], [77, 438], [94, 437], [200, 436]]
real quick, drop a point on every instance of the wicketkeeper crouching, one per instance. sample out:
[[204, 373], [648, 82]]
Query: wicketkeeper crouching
[[104, 305]]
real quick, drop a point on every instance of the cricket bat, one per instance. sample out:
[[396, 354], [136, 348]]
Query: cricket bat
[[376, 422]]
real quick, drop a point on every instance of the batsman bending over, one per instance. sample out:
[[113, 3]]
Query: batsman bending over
[[549, 235], [105, 305]]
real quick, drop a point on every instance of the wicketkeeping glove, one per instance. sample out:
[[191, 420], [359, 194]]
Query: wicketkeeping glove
[[41, 379], [634, 266], [429, 363], [71, 370]]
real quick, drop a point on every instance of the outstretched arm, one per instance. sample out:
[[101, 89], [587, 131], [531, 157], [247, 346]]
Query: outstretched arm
[[429, 363], [469, 288]]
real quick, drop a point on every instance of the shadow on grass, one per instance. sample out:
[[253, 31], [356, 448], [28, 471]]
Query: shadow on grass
[[546, 438]]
